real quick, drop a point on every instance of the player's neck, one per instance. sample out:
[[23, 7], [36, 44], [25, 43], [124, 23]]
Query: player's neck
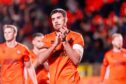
[[116, 49], [11, 44]]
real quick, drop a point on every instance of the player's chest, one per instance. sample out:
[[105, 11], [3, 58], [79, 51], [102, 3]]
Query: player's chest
[[118, 58], [12, 53]]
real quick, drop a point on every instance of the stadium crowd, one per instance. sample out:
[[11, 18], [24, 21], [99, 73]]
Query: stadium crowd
[[95, 21]]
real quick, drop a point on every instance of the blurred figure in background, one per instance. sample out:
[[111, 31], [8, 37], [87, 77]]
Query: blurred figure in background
[[115, 59], [41, 69]]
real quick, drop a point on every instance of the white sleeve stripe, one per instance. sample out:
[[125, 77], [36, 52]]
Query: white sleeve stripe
[[80, 48], [107, 73]]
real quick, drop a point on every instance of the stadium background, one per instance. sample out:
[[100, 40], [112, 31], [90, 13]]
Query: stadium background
[[96, 20]]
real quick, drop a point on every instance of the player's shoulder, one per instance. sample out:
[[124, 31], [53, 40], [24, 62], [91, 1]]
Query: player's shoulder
[[2, 44], [75, 35], [108, 53], [22, 46], [124, 50], [49, 35]]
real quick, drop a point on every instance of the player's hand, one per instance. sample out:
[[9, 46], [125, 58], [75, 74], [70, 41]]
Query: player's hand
[[57, 39], [63, 33]]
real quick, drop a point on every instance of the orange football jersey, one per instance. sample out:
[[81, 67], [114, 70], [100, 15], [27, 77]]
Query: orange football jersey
[[12, 62], [117, 63], [62, 69]]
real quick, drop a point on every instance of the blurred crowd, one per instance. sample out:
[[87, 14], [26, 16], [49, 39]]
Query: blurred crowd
[[96, 20]]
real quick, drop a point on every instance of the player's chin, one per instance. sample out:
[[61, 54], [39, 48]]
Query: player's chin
[[57, 28], [119, 47], [7, 39]]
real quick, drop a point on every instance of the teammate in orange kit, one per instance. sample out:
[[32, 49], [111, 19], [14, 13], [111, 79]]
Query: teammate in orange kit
[[65, 50], [116, 60], [13, 57], [41, 70]]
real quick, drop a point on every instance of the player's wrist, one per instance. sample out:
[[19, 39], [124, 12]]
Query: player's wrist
[[64, 39], [54, 45], [65, 35]]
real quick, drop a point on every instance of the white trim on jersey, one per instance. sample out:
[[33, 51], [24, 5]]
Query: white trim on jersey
[[107, 73], [80, 48]]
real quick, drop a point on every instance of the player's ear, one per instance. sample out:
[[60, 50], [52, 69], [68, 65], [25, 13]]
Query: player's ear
[[112, 42], [15, 34], [66, 19], [33, 42]]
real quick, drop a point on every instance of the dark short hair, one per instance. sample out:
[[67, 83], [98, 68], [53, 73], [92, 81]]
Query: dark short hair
[[58, 10], [37, 35]]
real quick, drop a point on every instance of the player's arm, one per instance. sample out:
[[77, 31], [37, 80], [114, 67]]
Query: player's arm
[[46, 66], [75, 53], [103, 68], [45, 54], [31, 71], [35, 63]]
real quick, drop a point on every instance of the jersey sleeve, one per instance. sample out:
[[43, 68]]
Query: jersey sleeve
[[104, 66], [26, 55], [105, 60], [46, 41], [77, 42], [78, 39]]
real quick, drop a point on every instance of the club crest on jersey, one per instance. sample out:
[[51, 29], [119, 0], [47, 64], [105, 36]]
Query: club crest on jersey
[[18, 52]]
